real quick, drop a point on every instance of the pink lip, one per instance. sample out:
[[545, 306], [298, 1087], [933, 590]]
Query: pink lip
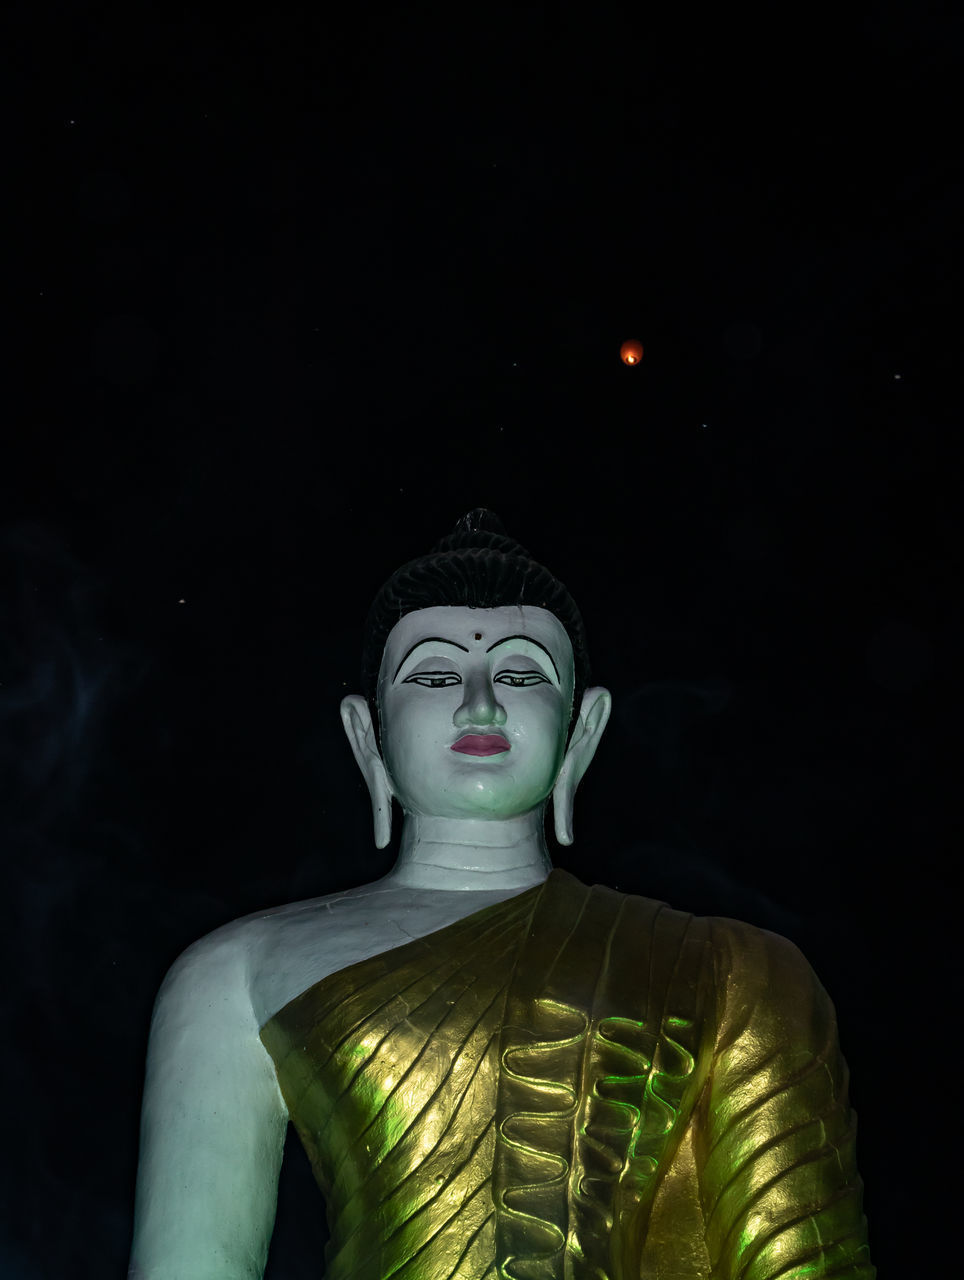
[[481, 744]]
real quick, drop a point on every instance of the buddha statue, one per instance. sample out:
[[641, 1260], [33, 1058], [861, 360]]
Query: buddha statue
[[496, 1071]]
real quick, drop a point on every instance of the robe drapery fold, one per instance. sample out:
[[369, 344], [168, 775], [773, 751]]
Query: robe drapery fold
[[575, 1084]]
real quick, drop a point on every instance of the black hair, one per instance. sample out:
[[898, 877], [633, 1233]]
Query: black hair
[[477, 566]]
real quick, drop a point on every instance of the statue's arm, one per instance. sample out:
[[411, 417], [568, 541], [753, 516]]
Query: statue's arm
[[779, 1182], [212, 1126]]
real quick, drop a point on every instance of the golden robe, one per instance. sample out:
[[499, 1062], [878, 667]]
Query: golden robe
[[577, 1084]]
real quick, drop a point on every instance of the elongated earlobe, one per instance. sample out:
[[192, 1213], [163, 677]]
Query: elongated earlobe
[[593, 718], [562, 805], [381, 812], [357, 719]]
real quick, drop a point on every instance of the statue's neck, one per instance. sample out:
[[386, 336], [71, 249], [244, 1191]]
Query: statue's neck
[[469, 853]]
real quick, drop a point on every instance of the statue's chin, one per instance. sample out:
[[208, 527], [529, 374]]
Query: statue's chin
[[492, 799]]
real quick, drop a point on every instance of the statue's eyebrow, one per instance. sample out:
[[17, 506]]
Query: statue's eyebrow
[[530, 640], [428, 640]]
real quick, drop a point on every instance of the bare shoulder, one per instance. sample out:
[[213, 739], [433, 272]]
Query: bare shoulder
[[237, 950], [275, 955], [263, 960]]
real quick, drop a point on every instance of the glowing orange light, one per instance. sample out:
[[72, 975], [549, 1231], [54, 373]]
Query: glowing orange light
[[631, 352]]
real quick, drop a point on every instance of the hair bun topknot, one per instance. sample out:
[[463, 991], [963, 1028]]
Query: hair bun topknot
[[482, 529]]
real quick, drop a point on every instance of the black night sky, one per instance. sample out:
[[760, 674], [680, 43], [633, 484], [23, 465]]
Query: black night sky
[[289, 293]]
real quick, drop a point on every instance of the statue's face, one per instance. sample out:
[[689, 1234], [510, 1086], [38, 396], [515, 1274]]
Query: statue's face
[[475, 707]]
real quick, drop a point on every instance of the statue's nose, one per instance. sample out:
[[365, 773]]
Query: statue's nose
[[480, 706]]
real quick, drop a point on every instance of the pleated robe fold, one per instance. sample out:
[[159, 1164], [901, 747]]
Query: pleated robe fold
[[577, 1084]]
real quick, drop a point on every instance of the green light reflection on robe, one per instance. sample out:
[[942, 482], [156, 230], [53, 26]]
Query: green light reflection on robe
[[576, 1084]]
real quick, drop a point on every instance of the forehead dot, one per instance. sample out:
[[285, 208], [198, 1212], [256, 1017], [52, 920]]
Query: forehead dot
[[478, 635]]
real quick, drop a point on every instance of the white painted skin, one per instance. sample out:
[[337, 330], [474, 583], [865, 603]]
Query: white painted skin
[[213, 1121]]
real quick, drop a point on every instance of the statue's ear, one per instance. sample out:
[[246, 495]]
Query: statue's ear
[[356, 716], [593, 718]]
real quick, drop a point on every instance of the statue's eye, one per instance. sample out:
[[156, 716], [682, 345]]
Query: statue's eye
[[433, 679], [520, 679]]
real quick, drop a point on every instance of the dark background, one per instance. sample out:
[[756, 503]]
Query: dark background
[[289, 294]]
